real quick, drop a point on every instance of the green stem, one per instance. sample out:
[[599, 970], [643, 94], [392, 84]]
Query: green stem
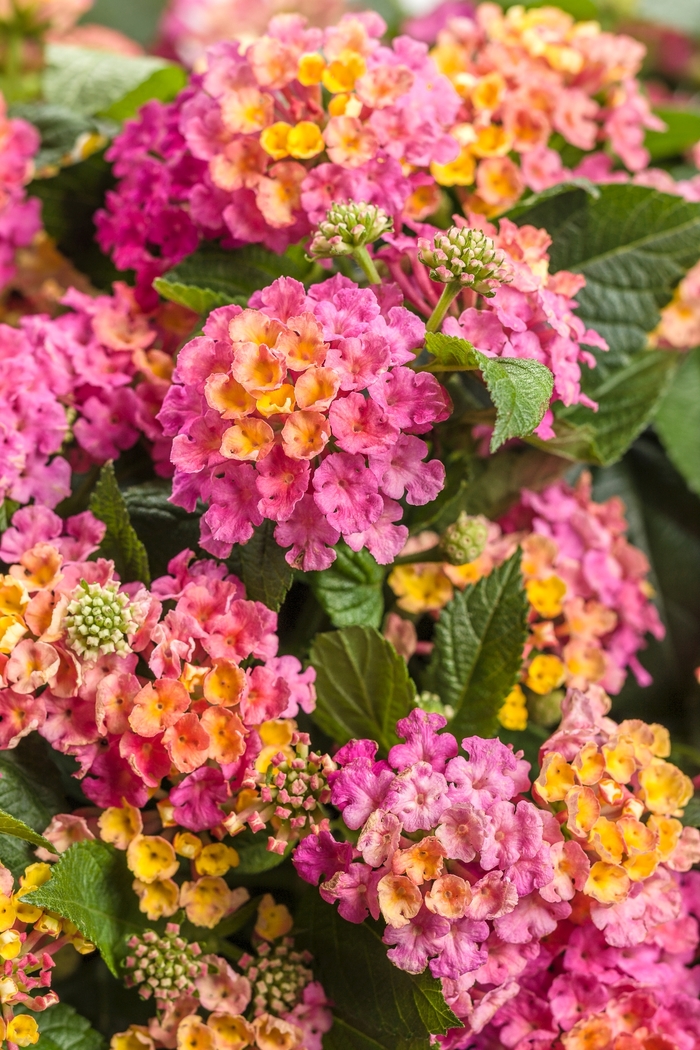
[[366, 263], [449, 294], [431, 554]]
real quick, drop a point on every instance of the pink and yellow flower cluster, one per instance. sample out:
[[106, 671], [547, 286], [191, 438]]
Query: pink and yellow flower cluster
[[301, 409]]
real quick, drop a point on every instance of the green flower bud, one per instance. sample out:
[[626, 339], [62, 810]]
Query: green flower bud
[[98, 618], [465, 539], [431, 702], [348, 227], [465, 257]]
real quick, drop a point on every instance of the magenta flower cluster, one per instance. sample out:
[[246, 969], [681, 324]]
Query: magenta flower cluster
[[20, 217], [302, 410], [457, 863]]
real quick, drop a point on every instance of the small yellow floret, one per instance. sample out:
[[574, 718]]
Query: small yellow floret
[[305, 140], [513, 713], [151, 857], [545, 673], [23, 1030], [274, 139], [274, 920], [545, 596], [310, 70], [216, 859]]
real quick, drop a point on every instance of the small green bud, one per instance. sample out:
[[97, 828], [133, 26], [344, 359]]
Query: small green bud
[[465, 257], [465, 539], [348, 227], [431, 702], [98, 619]]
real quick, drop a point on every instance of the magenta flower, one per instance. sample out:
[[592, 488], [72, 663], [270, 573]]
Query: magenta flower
[[418, 796], [417, 941], [422, 741], [197, 799]]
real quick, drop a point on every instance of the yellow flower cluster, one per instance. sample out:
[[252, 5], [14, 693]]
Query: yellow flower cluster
[[154, 860], [620, 800]]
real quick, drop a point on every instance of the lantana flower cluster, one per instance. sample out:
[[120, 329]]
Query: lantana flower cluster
[[529, 316], [95, 376], [301, 409], [29, 940], [531, 80], [254, 152], [20, 216], [198, 720], [470, 877], [590, 599], [273, 1004]]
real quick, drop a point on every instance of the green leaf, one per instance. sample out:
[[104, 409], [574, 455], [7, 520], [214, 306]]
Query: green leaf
[[60, 129], [163, 528], [627, 398], [362, 684], [682, 132], [351, 590], [262, 567], [10, 825], [632, 244], [29, 792], [62, 1028], [678, 420], [230, 274], [201, 300], [254, 854], [519, 387], [376, 1006], [120, 540], [99, 82], [478, 652], [568, 187], [691, 814], [91, 886]]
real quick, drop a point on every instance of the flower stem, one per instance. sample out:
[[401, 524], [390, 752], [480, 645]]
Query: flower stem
[[366, 263], [449, 294]]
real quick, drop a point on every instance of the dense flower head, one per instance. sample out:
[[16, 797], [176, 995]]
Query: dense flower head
[[529, 316], [214, 696], [253, 151], [590, 600], [20, 217], [527, 77], [162, 966], [301, 409], [465, 257], [348, 227]]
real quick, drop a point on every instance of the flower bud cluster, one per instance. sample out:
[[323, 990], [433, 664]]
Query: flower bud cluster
[[348, 227], [164, 967], [98, 619], [465, 257], [465, 540], [278, 976]]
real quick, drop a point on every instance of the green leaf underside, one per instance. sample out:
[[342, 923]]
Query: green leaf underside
[[262, 567], [91, 82], [375, 1005], [478, 652], [201, 300], [520, 388], [91, 886], [62, 1028], [362, 685], [678, 420], [231, 275], [120, 541], [10, 825], [628, 399], [350, 591]]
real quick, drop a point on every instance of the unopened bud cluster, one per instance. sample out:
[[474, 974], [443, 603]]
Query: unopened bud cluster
[[298, 787], [278, 976], [97, 620], [348, 227], [163, 967], [465, 257], [465, 539]]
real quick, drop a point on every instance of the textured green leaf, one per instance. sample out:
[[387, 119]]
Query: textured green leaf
[[120, 540], [478, 651], [627, 398], [240, 272], [262, 567], [376, 1006], [362, 684], [10, 825], [62, 1028], [632, 244], [450, 352], [30, 792], [561, 188], [201, 300], [678, 420], [163, 528], [682, 132], [91, 885], [99, 82], [351, 590], [60, 129]]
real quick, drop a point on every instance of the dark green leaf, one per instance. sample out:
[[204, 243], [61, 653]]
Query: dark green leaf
[[627, 398], [691, 814], [254, 854], [60, 129], [241, 272], [377, 1005], [62, 1028], [682, 132], [678, 420], [30, 792], [201, 300], [561, 188], [478, 652], [362, 684], [351, 590], [137, 20], [96, 82], [10, 825], [120, 540], [262, 567], [91, 886], [163, 528]]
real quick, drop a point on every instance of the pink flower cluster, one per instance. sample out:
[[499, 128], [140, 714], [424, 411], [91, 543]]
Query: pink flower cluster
[[301, 410], [20, 218], [94, 375], [249, 151], [194, 719], [464, 871], [584, 993], [529, 317]]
